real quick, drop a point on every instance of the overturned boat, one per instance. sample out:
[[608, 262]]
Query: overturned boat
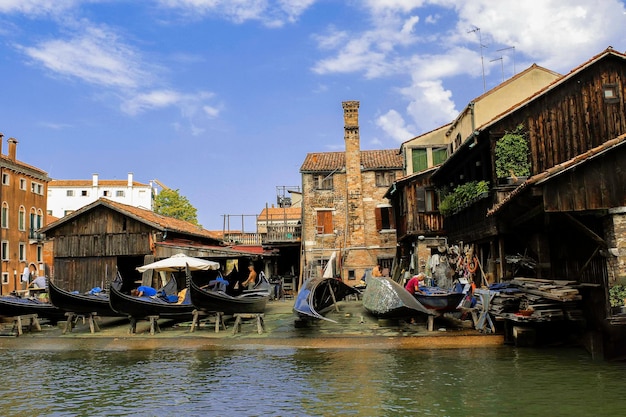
[[385, 298], [319, 295]]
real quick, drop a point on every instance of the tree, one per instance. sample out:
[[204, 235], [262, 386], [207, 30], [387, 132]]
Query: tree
[[171, 204], [512, 152]]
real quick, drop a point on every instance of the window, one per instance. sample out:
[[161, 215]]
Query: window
[[5, 215], [39, 254], [5, 278], [36, 188], [6, 179], [5, 250], [385, 178], [22, 251], [426, 200], [440, 155], [420, 159], [323, 182], [610, 93], [22, 184], [324, 225], [69, 193], [21, 219], [384, 218], [84, 193], [119, 193], [106, 193]]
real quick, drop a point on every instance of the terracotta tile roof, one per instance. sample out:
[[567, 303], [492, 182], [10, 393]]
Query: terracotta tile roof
[[89, 183], [6, 159], [559, 169], [146, 216], [371, 160], [279, 213]]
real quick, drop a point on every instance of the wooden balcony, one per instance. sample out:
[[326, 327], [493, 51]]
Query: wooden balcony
[[283, 234], [421, 223]]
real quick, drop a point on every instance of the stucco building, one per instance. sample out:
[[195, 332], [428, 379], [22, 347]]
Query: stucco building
[[23, 199], [67, 196]]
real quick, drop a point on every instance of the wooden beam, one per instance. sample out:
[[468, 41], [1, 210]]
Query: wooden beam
[[590, 233]]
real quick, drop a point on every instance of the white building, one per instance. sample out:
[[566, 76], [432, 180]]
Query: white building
[[66, 196]]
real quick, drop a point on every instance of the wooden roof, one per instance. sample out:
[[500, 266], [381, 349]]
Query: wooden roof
[[152, 219]]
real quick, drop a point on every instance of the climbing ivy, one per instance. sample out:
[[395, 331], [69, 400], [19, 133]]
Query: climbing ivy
[[512, 153]]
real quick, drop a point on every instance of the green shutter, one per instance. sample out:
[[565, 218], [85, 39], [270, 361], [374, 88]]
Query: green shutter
[[420, 160]]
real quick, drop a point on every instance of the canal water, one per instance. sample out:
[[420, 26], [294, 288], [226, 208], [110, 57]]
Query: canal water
[[502, 381]]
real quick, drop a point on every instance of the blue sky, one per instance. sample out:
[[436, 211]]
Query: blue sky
[[223, 99]]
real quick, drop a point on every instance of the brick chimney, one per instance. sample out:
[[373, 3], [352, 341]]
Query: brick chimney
[[12, 148], [355, 218]]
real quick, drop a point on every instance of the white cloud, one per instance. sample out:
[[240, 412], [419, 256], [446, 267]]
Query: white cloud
[[36, 7], [394, 125], [556, 34], [189, 104], [95, 56], [271, 13]]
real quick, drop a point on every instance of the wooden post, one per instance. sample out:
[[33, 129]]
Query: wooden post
[[332, 294]]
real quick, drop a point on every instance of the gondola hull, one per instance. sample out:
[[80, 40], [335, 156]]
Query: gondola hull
[[318, 295], [142, 307], [441, 303], [385, 298], [11, 306], [81, 303], [253, 301]]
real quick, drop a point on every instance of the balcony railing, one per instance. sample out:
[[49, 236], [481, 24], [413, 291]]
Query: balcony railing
[[283, 233]]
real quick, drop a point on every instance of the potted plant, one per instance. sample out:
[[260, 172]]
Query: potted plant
[[511, 154], [462, 196]]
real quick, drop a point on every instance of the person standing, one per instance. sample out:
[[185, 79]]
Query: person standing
[[251, 281]]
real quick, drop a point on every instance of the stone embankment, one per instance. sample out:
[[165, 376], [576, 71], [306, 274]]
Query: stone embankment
[[354, 329]]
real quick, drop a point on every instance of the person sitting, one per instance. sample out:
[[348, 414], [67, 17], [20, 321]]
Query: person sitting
[[376, 272], [413, 285], [144, 290]]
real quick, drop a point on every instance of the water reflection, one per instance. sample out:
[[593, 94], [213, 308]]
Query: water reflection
[[292, 382]]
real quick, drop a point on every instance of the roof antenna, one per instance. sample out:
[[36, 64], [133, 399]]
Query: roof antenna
[[506, 49], [482, 62], [501, 65]]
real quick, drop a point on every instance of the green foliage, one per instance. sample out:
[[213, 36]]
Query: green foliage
[[512, 153], [171, 204], [617, 295], [462, 196]]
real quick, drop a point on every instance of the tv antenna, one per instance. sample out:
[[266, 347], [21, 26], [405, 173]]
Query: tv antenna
[[482, 61], [501, 65], [506, 49]]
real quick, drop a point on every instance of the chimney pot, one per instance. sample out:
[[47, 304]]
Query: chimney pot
[[12, 149]]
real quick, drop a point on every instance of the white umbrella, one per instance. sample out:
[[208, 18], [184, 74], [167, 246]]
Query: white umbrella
[[179, 262]]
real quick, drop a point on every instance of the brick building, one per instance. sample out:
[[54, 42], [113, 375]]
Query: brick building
[[345, 215]]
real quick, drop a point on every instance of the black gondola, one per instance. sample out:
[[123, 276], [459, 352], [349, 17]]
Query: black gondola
[[142, 307], [385, 298], [88, 303], [248, 301], [318, 295], [12, 306]]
